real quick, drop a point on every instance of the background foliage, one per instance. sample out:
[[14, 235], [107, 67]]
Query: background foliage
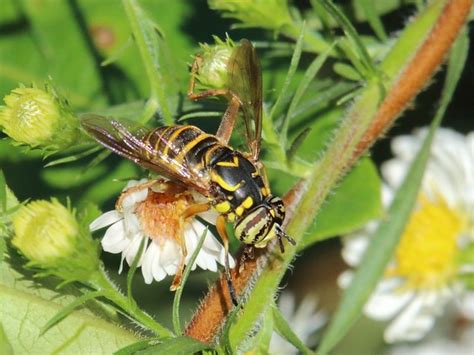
[[86, 49]]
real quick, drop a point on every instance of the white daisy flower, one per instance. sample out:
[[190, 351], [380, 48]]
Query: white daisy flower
[[150, 211], [304, 318], [452, 337], [432, 258]]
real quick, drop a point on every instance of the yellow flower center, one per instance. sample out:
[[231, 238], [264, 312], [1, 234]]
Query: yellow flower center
[[426, 254]]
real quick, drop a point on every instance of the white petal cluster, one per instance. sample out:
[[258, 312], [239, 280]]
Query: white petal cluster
[[162, 253]]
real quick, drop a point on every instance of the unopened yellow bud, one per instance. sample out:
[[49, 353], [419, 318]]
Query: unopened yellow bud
[[49, 236], [38, 118], [45, 231], [212, 68]]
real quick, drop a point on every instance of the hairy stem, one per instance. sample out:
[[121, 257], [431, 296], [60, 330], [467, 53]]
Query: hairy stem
[[417, 73]]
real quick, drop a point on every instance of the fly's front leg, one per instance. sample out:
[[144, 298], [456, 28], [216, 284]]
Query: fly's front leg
[[130, 190], [188, 213], [192, 84], [228, 119], [230, 115]]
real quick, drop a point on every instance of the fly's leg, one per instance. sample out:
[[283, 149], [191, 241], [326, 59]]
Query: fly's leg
[[220, 225], [179, 273], [228, 120], [192, 84], [189, 212], [131, 190], [247, 254], [230, 115]]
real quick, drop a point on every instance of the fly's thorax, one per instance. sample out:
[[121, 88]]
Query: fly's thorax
[[261, 224], [236, 184]]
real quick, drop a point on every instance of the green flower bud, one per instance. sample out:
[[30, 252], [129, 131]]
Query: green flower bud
[[212, 68], [269, 14], [39, 118], [48, 234]]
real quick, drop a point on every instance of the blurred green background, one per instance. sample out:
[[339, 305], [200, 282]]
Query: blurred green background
[[66, 41]]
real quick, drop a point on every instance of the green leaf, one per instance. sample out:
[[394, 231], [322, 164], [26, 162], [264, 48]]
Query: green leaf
[[355, 41], [261, 342], [284, 329], [5, 346], [20, 62], [156, 61], [133, 269], [226, 343], [132, 349], [308, 76], [370, 10], [178, 345], [73, 157], [11, 12], [179, 291], [356, 201], [295, 59], [386, 237], [25, 307], [3, 192], [46, 18], [297, 141], [67, 310], [347, 71]]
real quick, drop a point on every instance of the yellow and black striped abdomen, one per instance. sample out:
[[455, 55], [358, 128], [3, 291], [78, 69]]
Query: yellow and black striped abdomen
[[235, 184], [185, 146]]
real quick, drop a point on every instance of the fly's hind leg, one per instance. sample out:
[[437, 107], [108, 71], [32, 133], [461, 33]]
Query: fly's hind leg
[[220, 225], [189, 212]]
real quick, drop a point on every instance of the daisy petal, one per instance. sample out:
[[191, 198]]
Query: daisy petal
[[170, 256], [413, 322], [345, 278], [147, 265], [115, 239], [132, 250], [386, 302], [105, 220], [133, 198], [157, 270]]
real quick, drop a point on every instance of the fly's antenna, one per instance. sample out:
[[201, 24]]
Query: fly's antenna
[[282, 235]]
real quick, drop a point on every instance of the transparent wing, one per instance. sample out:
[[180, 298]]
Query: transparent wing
[[245, 81], [118, 137]]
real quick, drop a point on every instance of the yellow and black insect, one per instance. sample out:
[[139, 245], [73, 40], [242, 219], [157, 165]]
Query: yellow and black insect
[[230, 181]]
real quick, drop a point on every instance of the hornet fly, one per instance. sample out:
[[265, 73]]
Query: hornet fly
[[231, 182]]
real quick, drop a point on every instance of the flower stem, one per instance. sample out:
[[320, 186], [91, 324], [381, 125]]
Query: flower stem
[[102, 283]]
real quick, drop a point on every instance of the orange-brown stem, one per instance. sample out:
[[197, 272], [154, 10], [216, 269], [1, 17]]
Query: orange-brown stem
[[416, 74]]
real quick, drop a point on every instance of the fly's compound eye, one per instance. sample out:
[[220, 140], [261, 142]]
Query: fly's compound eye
[[278, 208], [256, 227]]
